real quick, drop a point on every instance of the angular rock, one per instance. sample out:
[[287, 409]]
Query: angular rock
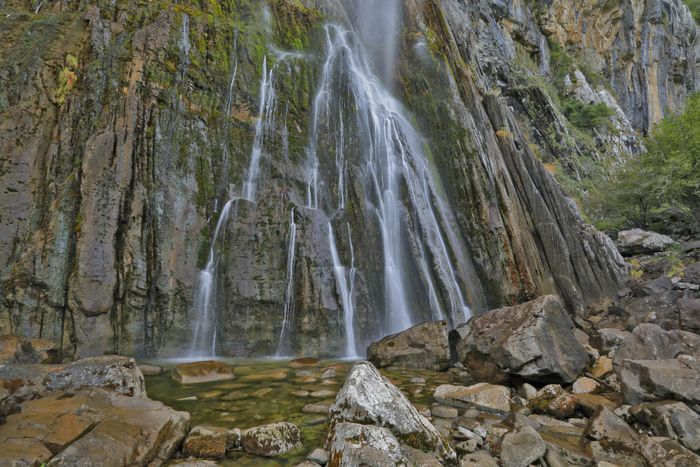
[[651, 342], [692, 273], [352, 444], [206, 442], [664, 452], [615, 440], [689, 314], [534, 341], [271, 440], [608, 339], [424, 347], [522, 447], [416, 457], [202, 372], [674, 420], [638, 241], [368, 397], [602, 367], [584, 385], [653, 380], [589, 403], [113, 373], [483, 396]]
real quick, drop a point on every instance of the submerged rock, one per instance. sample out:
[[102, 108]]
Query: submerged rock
[[206, 442], [202, 372], [369, 398], [271, 440], [424, 346], [534, 341]]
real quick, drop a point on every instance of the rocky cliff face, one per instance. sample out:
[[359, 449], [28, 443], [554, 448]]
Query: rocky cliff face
[[126, 128]]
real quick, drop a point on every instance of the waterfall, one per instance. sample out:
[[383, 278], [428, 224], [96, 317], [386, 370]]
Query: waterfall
[[266, 120], [283, 345], [205, 323], [205, 307], [397, 181], [344, 283]]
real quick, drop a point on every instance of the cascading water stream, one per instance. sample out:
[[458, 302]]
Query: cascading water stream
[[397, 182], [344, 282], [205, 306], [283, 345]]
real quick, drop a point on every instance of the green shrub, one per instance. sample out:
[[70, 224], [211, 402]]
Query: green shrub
[[666, 175], [587, 116]]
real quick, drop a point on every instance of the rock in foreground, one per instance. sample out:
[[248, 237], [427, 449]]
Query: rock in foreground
[[424, 347], [90, 428], [202, 372], [369, 398], [534, 341], [271, 440]]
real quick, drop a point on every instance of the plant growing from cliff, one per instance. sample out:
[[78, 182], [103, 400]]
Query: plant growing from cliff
[[587, 116], [67, 78], [666, 175], [694, 6]]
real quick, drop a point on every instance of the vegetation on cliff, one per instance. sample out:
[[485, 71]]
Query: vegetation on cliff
[[666, 176]]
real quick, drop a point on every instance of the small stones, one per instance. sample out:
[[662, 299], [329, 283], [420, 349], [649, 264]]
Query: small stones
[[234, 396], [301, 393], [329, 373], [527, 391], [262, 392]]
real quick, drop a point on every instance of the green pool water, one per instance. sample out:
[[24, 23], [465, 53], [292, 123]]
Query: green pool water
[[263, 391]]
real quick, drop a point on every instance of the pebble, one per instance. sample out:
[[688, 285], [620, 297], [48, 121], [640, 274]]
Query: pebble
[[319, 456], [322, 394]]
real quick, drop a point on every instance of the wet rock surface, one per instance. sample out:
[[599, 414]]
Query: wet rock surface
[[202, 372]]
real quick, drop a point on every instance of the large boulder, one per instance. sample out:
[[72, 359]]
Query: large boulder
[[613, 439], [202, 372], [533, 341], [423, 347], [90, 427], [654, 364], [638, 241], [674, 420], [369, 398]]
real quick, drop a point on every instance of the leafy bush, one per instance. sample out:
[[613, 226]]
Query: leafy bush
[[666, 175], [694, 6], [587, 116]]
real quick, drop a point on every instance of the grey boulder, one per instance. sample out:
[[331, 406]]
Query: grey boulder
[[533, 341], [424, 347], [638, 241]]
